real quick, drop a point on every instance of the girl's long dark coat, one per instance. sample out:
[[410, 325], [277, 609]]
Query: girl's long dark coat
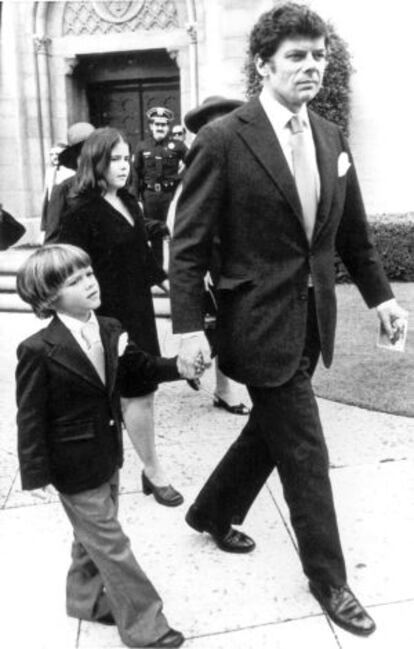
[[122, 260]]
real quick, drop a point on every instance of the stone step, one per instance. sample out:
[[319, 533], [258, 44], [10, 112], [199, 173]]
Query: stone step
[[10, 262], [7, 283], [10, 302], [162, 307], [12, 259]]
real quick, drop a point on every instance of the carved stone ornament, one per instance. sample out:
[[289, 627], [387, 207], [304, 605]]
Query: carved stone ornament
[[70, 64], [118, 11], [191, 29], [41, 44], [90, 17]]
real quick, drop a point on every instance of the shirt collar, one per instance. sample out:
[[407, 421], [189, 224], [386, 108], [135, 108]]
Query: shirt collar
[[278, 114], [74, 325]]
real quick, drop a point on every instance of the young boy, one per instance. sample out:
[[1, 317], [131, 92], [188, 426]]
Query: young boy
[[69, 378]]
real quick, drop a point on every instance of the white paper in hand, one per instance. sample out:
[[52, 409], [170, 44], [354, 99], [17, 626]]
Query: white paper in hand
[[397, 342]]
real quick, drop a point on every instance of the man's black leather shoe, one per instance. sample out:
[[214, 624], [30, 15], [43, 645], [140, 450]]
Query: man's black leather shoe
[[230, 541], [168, 641], [343, 608]]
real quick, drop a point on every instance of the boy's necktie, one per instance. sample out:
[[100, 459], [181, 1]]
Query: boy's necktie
[[304, 173], [95, 350]]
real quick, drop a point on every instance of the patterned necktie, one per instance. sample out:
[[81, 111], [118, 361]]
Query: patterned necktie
[[304, 173], [95, 350]]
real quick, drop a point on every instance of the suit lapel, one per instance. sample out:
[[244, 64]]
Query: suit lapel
[[326, 154], [260, 137], [66, 351]]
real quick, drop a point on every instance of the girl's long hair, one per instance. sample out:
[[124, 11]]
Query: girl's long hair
[[94, 161]]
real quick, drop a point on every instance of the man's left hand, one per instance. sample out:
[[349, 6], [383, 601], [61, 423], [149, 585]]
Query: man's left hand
[[392, 316]]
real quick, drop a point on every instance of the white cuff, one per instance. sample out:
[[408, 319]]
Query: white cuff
[[386, 304], [192, 334]]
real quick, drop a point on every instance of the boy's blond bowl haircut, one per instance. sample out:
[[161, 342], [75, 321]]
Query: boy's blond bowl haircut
[[43, 274]]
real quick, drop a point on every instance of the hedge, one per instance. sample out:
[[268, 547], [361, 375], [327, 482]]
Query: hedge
[[394, 238]]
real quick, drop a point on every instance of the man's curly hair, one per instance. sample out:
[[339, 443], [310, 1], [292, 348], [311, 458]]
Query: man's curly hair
[[288, 20]]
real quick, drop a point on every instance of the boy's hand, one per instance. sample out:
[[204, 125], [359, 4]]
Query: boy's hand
[[194, 354], [194, 372]]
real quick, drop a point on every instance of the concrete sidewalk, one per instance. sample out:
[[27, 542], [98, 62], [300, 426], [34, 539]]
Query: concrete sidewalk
[[219, 601]]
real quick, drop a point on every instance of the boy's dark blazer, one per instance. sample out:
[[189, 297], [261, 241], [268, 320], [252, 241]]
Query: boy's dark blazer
[[69, 422]]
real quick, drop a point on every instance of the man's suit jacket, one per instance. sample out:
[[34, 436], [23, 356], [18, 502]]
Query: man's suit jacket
[[56, 207], [238, 180], [69, 422]]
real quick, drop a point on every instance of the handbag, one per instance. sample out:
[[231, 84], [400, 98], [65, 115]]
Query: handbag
[[10, 230]]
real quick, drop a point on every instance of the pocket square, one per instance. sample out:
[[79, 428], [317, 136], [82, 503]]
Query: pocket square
[[343, 164], [122, 343]]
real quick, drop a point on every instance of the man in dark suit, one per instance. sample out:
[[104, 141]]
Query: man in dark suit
[[279, 184], [60, 193]]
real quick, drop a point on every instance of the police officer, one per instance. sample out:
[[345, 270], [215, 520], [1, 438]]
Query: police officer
[[158, 162]]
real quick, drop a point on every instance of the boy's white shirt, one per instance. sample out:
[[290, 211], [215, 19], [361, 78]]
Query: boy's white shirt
[[75, 327]]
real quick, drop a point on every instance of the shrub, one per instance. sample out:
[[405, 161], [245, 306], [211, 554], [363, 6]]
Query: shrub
[[394, 239], [333, 100]]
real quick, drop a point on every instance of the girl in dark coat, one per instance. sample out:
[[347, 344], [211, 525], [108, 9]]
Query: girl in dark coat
[[106, 221]]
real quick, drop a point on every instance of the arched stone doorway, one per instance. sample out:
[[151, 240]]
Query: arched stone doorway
[[107, 61], [121, 88]]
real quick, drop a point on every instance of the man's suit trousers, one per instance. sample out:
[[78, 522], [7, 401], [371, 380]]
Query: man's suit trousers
[[104, 575], [283, 431], [156, 207]]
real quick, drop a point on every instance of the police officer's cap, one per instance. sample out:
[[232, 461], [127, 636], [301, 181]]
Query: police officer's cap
[[161, 113]]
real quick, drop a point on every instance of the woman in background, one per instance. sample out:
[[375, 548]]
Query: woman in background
[[105, 220]]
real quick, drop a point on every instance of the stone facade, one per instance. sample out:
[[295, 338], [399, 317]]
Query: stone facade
[[44, 45]]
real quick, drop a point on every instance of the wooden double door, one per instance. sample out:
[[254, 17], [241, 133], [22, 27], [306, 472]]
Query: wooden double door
[[124, 104]]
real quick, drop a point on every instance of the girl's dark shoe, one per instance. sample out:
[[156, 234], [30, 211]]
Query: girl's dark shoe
[[240, 409], [167, 496]]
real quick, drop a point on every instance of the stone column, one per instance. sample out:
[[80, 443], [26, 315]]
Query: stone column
[[41, 46], [20, 153]]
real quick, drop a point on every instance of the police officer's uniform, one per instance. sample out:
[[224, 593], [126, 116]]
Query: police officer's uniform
[[157, 176]]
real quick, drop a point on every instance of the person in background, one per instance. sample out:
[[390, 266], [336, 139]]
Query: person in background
[[68, 380], [225, 392], [105, 220], [179, 133], [158, 161], [67, 165], [278, 183], [55, 173]]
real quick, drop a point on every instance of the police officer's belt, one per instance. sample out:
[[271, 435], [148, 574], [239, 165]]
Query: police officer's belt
[[164, 186]]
